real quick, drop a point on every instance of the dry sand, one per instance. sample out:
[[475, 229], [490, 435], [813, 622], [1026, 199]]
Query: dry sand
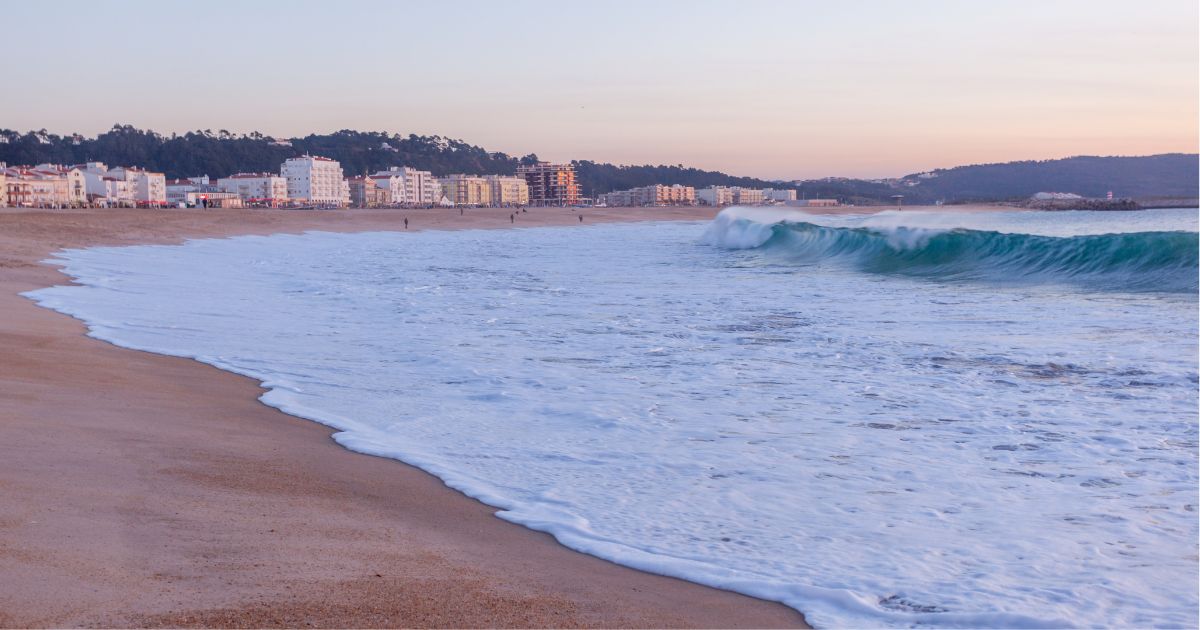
[[144, 490]]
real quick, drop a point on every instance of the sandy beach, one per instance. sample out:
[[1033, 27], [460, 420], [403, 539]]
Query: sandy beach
[[144, 490]]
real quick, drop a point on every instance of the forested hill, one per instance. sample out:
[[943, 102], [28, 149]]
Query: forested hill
[[222, 153], [1165, 175]]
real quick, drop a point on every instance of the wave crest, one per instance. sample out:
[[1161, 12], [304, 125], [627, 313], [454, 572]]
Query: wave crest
[[1138, 261]]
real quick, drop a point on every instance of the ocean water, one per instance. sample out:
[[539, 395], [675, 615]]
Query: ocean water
[[894, 420]]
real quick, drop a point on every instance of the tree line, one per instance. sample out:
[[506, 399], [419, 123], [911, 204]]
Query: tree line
[[221, 153]]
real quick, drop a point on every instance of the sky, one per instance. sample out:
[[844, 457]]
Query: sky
[[782, 90]]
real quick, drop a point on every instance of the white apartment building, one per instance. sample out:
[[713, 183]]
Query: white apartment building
[[146, 187], [256, 187], [508, 190], [105, 189], [715, 196], [316, 180], [773, 194], [409, 186]]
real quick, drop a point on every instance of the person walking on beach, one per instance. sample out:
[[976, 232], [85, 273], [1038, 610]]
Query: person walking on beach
[[581, 218], [512, 218], [406, 223]]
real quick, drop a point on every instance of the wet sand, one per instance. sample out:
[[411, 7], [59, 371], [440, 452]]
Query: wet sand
[[144, 490]]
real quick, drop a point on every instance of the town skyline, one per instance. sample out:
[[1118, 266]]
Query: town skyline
[[793, 91], [236, 134]]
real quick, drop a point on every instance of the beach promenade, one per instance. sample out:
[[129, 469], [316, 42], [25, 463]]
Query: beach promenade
[[145, 490]]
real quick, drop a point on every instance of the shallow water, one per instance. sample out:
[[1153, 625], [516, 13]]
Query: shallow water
[[871, 446]]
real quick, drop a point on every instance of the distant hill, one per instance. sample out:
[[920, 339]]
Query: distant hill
[[1165, 175], [222, 153]]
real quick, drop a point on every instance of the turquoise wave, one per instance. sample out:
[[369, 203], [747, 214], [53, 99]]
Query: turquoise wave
[[1140, 261]]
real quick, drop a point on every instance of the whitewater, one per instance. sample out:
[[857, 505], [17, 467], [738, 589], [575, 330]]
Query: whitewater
[[903, 419]]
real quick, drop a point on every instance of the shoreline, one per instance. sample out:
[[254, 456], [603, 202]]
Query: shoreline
[[147, 490], [140, 495]]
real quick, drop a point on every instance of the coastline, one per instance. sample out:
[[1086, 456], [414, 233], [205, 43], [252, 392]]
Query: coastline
[[145, 490]]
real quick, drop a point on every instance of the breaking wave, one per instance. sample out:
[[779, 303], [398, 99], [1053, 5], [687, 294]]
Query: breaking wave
[[1137, 261]]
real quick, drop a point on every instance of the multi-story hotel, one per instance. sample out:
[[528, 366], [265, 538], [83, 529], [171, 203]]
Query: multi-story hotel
[[105, 189], [715, 196], [123, 185], [409, 186], [146, 187], [656, 195], [508, 190], [18, 191], [366, 192], [315, 180], [74, 191], [747, 196], [263, 188], [467, 190], [35, 189], [43, 186], [550, 184]]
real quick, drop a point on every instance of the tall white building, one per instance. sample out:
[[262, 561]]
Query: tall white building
[[409, 186], [316, 180], [715, 196], [103, 188], [148, 188], [256, 187]]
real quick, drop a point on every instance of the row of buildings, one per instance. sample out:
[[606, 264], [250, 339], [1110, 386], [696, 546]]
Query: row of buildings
[[660, 195], [319, 182], [305, 181], [93, 183]]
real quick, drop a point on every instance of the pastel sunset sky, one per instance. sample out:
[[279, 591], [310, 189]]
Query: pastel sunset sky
[[783, 89]]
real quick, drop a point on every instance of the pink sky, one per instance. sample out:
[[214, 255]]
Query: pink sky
[[771, 89]]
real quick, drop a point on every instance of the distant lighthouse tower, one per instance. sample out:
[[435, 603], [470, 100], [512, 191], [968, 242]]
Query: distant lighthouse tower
[[1110, 195]]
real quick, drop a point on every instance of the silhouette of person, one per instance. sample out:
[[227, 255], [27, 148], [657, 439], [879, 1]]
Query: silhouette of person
[[406, 223]]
